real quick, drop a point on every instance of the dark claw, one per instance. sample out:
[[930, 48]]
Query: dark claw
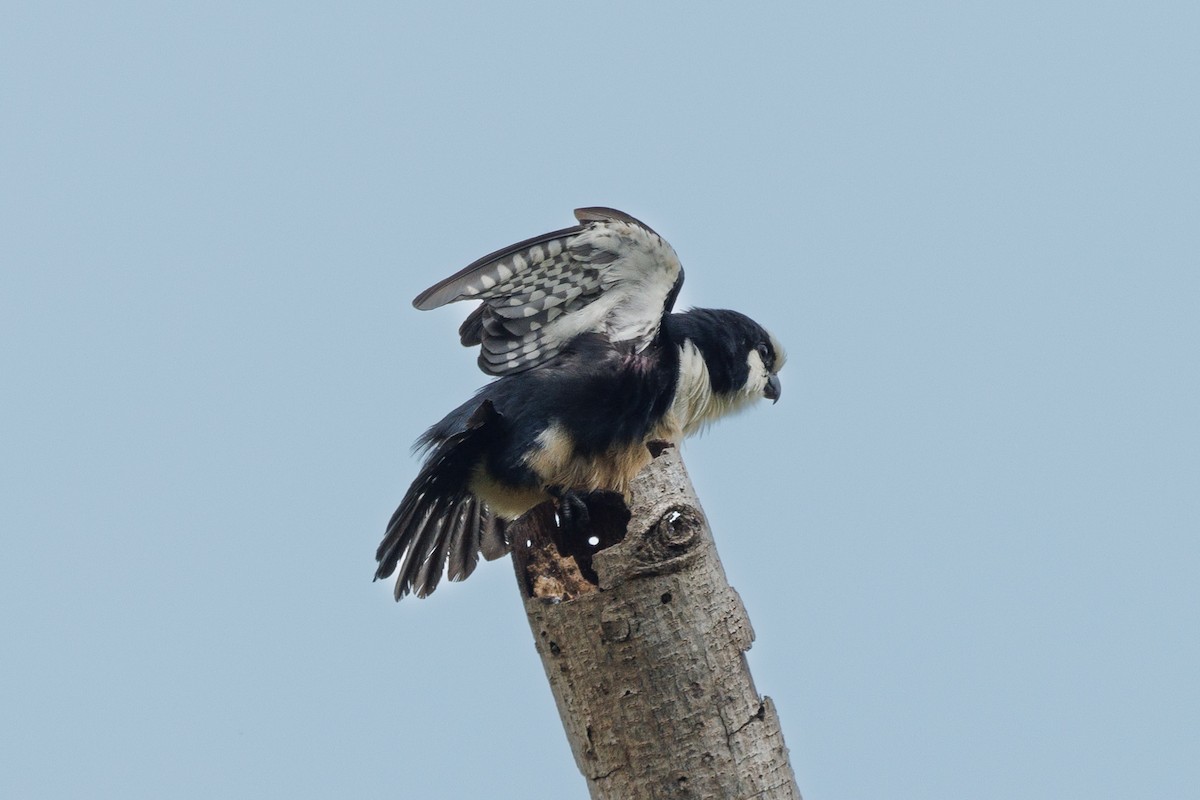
[[573, 512]]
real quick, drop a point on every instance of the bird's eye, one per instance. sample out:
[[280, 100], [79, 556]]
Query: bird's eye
[[764, 353]]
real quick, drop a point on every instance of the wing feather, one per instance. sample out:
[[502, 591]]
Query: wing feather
[[611, 274], [491, 270]]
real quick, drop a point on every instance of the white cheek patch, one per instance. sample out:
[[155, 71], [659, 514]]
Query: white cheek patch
[[756, 381]]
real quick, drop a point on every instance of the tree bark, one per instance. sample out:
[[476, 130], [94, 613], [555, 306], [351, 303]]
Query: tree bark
[[644, 645]]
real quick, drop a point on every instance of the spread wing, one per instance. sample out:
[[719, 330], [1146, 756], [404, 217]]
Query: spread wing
[[611, 274]]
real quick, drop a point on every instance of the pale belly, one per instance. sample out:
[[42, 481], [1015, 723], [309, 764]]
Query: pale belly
[[557, 463]]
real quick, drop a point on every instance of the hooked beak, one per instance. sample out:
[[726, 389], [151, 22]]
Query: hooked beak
[[773, 389]]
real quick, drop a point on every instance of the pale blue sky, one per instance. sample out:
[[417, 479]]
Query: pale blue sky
[[968, 536]]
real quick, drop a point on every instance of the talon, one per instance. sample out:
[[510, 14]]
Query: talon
[[573, 512]]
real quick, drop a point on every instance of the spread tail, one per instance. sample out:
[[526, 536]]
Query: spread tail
[[440, 527]]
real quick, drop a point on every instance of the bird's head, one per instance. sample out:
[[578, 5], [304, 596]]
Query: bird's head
[[727, 361]]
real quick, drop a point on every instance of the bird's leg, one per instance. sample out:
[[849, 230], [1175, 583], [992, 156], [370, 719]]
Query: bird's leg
[[584, 527], [572, 509]]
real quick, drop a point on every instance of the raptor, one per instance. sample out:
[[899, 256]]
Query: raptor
[[593, 368]]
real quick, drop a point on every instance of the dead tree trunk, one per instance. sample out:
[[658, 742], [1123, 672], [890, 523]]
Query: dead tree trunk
[[644, 645]]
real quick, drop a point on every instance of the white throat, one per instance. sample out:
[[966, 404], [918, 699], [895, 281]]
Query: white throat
[[696, 405]]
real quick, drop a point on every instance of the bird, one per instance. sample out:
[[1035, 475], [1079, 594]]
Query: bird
[[593, 370]]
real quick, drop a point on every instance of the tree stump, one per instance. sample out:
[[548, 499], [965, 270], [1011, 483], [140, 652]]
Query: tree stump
[[643, 642]]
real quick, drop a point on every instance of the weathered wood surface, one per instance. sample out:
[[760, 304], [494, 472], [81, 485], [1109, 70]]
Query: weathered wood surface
[[648, 667]]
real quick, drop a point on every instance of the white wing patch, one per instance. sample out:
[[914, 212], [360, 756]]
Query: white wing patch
[[610, 275]]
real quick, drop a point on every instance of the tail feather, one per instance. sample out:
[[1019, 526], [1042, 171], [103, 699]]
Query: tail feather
[[493, 536], [423, 540], [464, 541], [431, 571], [397, 539], [439, 527]]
